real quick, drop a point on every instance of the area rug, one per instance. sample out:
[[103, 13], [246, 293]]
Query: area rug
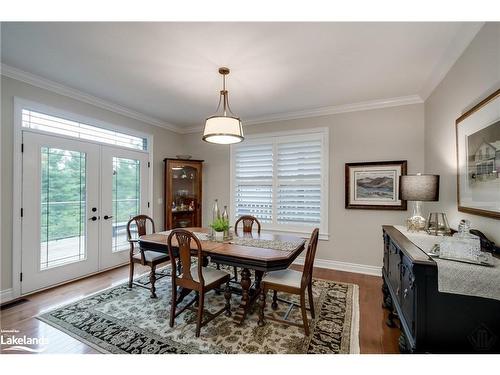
[[122, 320]]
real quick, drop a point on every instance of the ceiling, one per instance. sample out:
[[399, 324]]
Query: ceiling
[[168, 71]]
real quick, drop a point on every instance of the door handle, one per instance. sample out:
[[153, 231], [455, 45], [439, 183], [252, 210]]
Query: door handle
[[106, 217], [93, 218]]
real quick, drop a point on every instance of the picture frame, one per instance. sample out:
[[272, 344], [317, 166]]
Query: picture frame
[[478, 158], [374, 185]]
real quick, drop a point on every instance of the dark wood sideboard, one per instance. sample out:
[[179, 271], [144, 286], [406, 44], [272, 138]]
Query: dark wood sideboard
[[431, 321]]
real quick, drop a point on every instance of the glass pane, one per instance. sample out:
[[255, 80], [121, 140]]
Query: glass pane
[[185, 197], [126, 199], [58, 125], [63, 207]]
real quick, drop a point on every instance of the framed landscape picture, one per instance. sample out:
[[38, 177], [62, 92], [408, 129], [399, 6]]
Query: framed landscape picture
[[374, 185], [478, 158]]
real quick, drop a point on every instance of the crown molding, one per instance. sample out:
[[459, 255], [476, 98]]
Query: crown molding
[[327, 111], [43, 83], [60, 89], [457, 47]]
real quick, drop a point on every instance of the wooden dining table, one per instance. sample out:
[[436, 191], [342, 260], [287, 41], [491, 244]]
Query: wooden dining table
[[259, 259]]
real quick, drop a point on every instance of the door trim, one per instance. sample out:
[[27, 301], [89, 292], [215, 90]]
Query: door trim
[[18, 105]]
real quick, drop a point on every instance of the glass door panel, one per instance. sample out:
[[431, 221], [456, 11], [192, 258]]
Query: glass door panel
[[60, 241], [185, 198], [63, 207], [124, 194], [126, 199]]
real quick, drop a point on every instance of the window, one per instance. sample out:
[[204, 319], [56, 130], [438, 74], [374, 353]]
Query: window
[[46, 123], [282, 180]]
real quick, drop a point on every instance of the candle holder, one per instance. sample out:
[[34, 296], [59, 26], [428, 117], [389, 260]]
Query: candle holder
[[437, 224]]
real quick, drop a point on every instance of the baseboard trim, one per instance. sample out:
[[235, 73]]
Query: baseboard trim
[[6, 295], [344, 266]]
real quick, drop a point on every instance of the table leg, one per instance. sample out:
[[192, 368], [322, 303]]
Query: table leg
[[258, 279], [245, 283]]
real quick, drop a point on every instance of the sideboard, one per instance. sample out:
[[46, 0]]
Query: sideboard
[[431, 321]]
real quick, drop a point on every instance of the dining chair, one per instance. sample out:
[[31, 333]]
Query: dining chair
[[194, 277], [293, 282], [248, 221], [145, 257]]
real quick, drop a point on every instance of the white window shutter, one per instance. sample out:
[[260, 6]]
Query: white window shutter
[[253, 173], [299, 183]]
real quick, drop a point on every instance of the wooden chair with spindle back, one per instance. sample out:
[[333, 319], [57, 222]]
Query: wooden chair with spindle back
[[196, 278], [145, 257], [293, 282]]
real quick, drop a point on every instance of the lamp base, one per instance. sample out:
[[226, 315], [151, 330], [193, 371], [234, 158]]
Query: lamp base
[[416, 222]]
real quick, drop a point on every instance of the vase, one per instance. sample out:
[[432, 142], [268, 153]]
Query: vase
[[219, 236], [215, 214]]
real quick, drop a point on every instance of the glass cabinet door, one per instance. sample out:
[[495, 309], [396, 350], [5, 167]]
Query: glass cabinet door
[[185, 194]]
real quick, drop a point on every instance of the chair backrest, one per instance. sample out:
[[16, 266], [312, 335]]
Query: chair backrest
[[141, 223], [183, 239], [248, 222], [309, 263]]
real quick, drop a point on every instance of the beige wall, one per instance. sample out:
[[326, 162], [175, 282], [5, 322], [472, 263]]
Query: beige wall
[[475, 75], [166, 144], [384, 134]]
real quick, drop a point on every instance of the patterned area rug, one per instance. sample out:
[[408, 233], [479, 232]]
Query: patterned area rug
[[120, 320]]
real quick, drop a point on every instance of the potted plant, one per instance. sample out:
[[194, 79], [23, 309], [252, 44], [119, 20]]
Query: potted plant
[[220, 225]]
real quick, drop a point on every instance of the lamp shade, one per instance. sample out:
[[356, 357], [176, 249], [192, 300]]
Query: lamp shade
[[419, 187], [223, 130]]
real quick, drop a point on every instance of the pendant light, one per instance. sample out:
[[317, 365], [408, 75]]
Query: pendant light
[[223, 127]]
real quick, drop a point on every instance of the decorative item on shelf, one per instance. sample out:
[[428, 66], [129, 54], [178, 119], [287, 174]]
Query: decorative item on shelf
[[221, 227], [437, 224], [418, 188], [223, 127], [183, 157]]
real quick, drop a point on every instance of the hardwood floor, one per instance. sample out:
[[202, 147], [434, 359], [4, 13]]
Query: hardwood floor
[[375, 336]]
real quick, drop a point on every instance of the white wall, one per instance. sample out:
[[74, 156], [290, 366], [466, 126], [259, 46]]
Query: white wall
[[475, 75], [166, 144], [384, 134]]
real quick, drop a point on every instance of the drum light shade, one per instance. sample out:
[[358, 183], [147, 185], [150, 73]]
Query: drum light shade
[[223, 128], [420, 187]]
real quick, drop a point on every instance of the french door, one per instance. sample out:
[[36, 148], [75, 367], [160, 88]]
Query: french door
[[77, 198]]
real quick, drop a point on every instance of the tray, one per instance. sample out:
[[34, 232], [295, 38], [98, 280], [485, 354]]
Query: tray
[[484, 259]]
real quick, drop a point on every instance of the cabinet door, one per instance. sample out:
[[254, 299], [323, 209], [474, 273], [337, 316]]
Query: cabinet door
[[386, 254], [184, 194], [408, 293], [394, 268]]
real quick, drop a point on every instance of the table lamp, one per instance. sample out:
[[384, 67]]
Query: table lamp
[[418, 188]]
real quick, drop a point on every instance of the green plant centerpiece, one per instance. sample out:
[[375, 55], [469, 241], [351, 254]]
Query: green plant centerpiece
[[220, 226]]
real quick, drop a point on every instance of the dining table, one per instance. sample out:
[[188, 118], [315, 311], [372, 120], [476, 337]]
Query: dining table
[[261, 252]]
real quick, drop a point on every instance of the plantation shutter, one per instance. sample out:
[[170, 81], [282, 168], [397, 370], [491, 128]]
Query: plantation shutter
[[298, 200], [254, 181]]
